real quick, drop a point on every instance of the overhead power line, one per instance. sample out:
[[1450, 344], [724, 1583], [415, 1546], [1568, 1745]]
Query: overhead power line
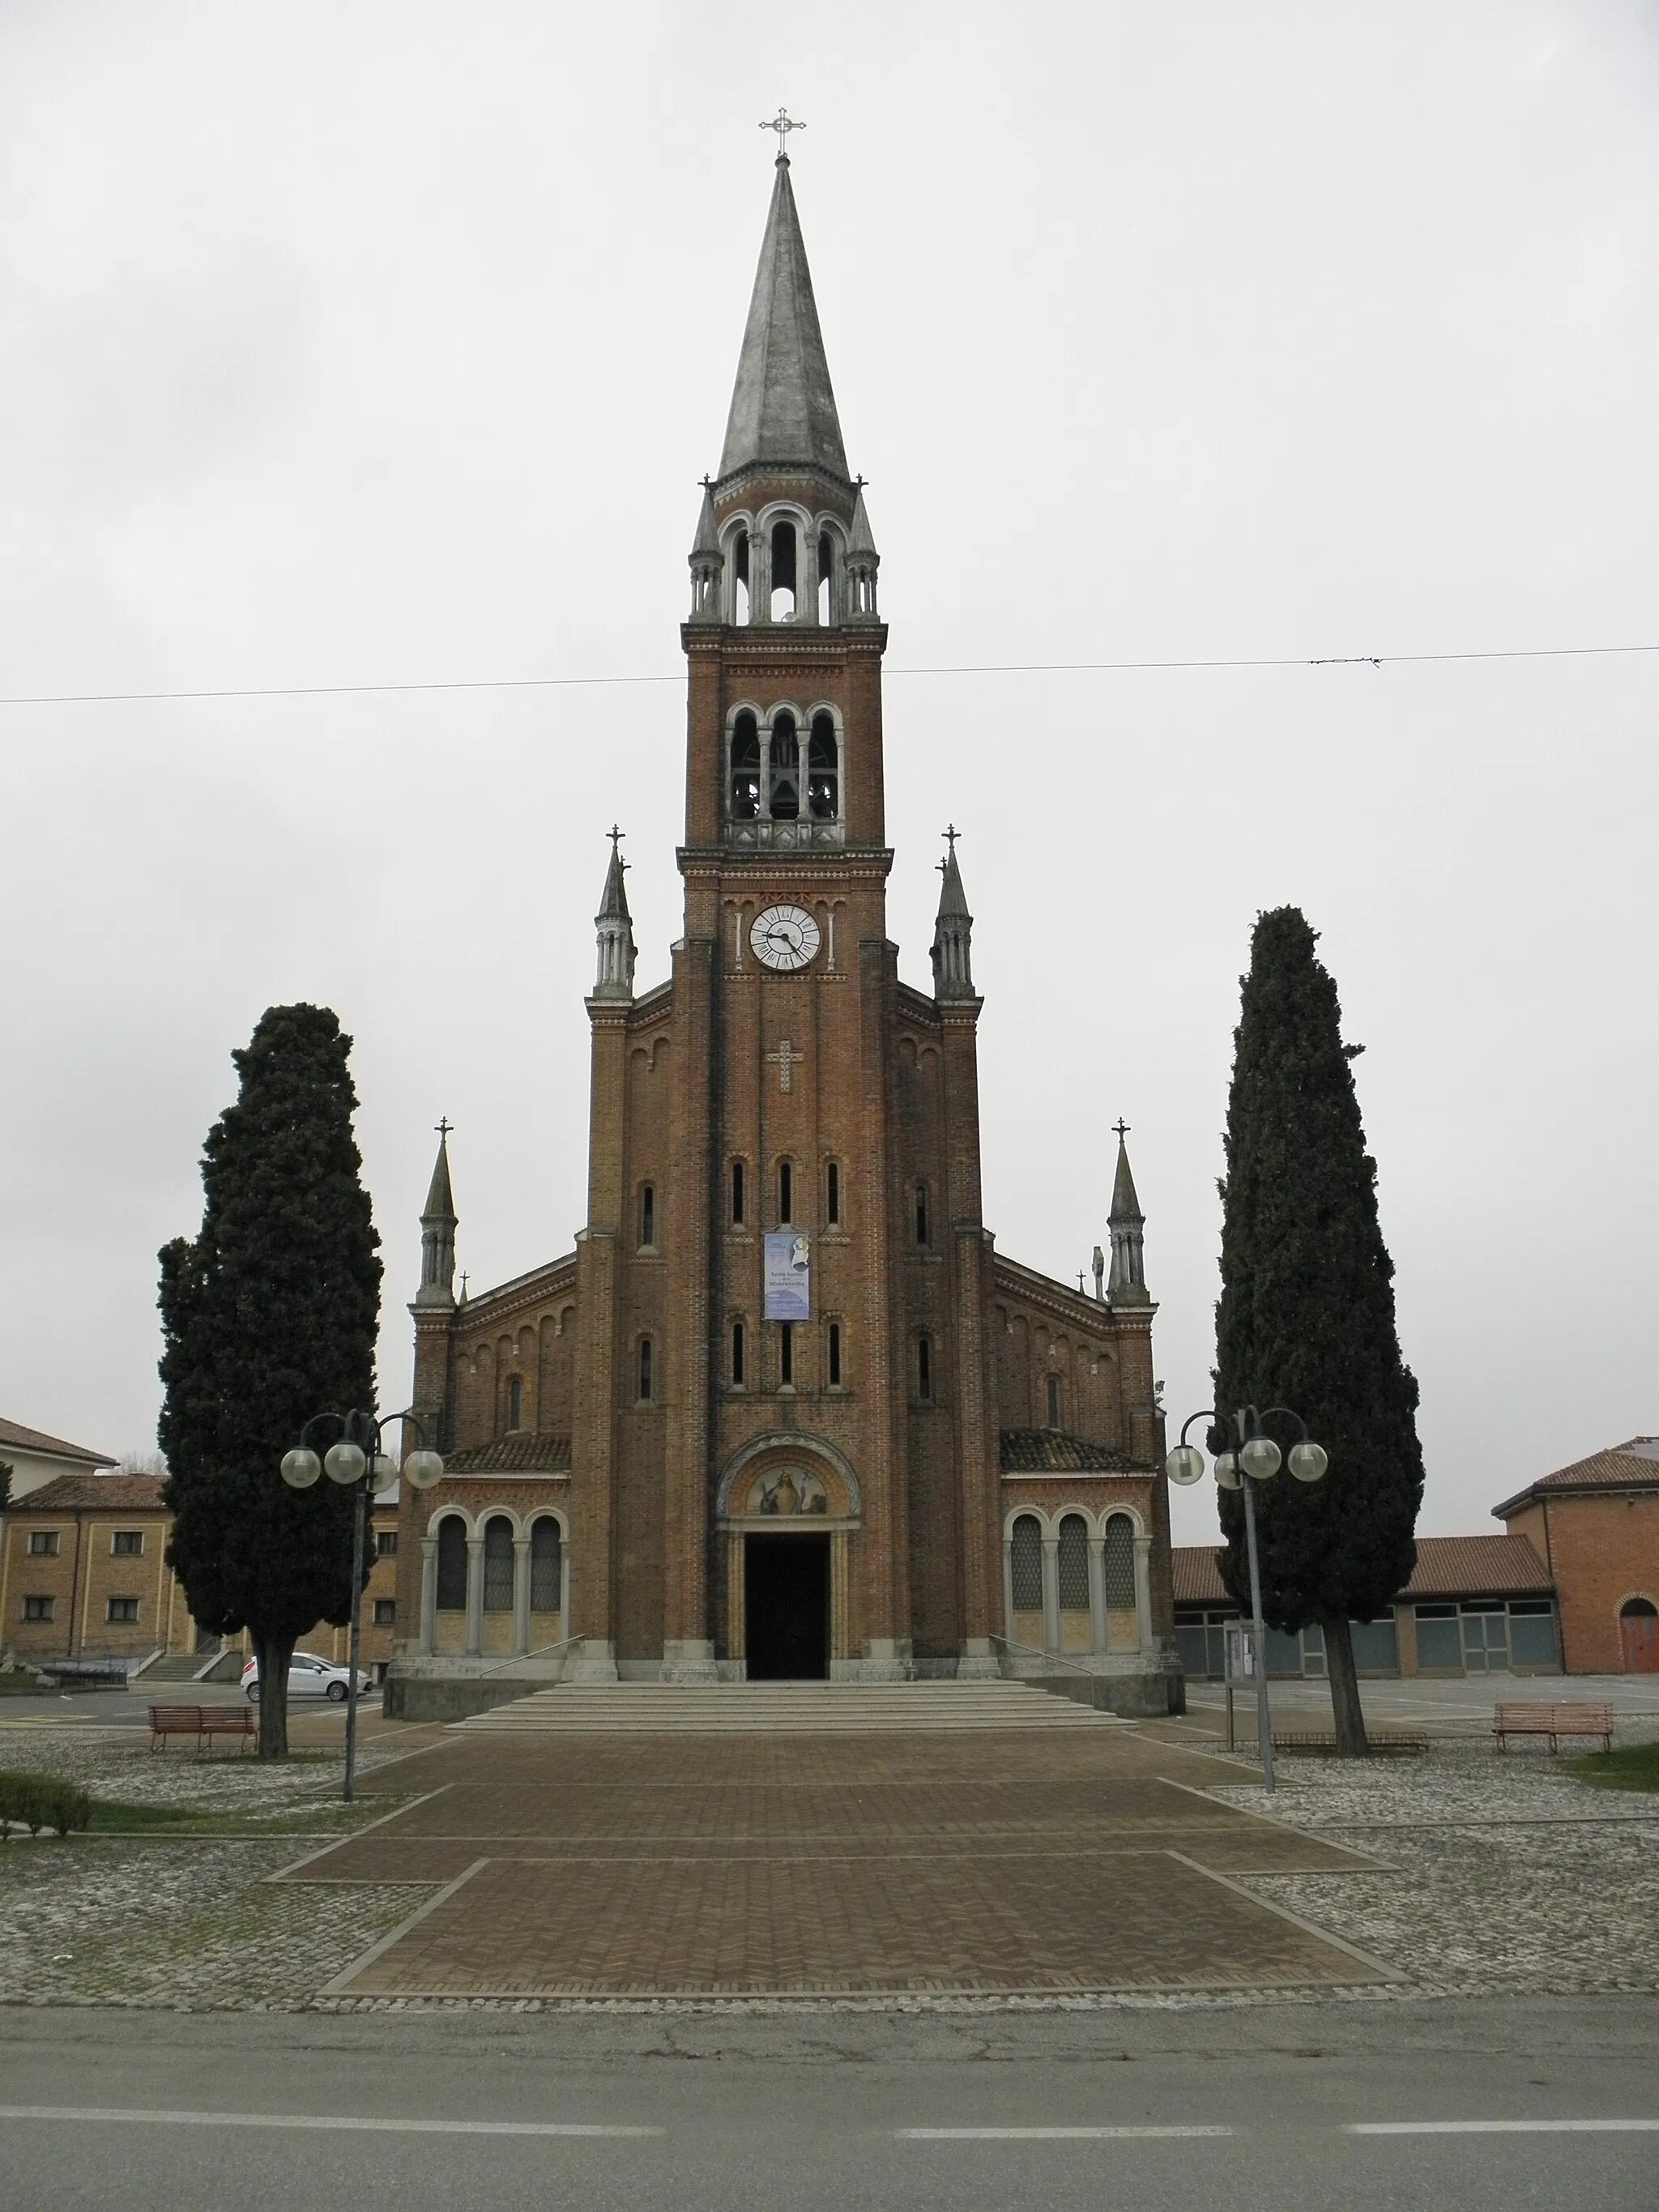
[[964, 668]]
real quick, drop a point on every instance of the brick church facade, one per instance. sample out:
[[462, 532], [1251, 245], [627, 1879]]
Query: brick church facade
[[785, 1411]]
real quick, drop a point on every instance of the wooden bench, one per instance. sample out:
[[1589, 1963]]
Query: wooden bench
[[202, 1722], [1553, 1721]]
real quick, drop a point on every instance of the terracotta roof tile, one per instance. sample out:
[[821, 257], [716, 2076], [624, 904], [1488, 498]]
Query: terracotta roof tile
[[95, 1493], [1051, 1451], [14, 1436], [1631, 1466], [525, 1452], [1447, 1566]]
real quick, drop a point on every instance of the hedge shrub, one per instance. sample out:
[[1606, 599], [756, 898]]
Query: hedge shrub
[[42, 1801]]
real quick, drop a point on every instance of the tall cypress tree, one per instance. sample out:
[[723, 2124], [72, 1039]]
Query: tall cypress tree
[[1306, 1315], [269, 1317]]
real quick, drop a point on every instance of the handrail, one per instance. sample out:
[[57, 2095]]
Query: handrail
[[540, 1652], [1054, 1657]]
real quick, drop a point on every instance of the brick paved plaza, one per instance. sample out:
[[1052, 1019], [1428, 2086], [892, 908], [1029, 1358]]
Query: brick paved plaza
[[721, 1865]]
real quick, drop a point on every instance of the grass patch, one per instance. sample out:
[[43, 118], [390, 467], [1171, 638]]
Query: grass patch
[[110, 1817], [1632, 1766]]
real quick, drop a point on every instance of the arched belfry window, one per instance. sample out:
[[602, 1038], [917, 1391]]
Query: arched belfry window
[[745, 767], [823, 770], [498, 1565], [783, 782], [826, 574], [740, 612], [546, 1566], [785, 571]]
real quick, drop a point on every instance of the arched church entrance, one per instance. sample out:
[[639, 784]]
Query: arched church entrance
[[786, 1603], [788, 1507]]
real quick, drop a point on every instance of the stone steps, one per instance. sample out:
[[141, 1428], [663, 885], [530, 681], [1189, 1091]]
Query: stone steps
[[784, 1708]]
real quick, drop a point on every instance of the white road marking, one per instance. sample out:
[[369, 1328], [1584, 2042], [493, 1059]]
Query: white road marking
[[1046, 2135], [320, 2120], [1501, 2127]]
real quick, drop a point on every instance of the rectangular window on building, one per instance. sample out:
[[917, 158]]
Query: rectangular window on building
[[43, 1543], [39, 1608], [128, 1543], [386, 1543], [1053, 1401], [736, 1352], [832, 1193], [835, 1355], [647, 1215], [787, 1352], [1375, 1646], [121, 1608], [385, 1612], [1532, 1634], [645, 1367], [785, 1194], [1439, 1640], [924, 1367], [737, 1193]]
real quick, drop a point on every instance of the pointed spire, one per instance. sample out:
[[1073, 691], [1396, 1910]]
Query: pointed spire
[[953, 930], [862, 563], [783, 407], [438, 1222], [1128, 1286], [615, 979], [861, 540], [707, 539]]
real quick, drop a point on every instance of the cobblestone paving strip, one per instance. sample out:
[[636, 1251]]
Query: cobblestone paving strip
[[1546, 1884]]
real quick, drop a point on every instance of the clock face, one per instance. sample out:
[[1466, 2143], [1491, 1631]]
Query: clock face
[[785, 938]]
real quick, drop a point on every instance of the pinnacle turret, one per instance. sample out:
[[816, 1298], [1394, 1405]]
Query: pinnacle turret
[[953, 930], [438, 1223], [1127, 1283], [615, 925]]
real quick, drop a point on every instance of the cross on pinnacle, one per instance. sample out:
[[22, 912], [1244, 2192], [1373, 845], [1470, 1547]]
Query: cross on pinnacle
[[782, 123], [445, 1125], [1120, 1128], [615, 836], [950, 833]]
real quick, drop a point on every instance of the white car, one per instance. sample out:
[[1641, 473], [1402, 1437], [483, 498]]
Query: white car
[[309, 1677]]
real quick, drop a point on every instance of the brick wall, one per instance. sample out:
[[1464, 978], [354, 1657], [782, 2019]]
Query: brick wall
[[1602, 1549]]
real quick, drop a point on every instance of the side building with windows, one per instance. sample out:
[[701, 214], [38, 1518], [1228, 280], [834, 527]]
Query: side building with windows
[[785, 1410]]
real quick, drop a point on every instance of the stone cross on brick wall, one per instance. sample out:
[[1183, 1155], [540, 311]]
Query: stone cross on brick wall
[[785, 1060]]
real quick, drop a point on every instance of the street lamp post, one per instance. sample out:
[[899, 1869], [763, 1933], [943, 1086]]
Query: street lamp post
[[356, 1461], [1250, 1456]]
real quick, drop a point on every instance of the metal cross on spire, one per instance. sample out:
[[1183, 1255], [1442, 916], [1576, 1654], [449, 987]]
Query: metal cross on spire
[[783, 124], [443, 1126], [1120, 1128], [615, 836], [950, 833]]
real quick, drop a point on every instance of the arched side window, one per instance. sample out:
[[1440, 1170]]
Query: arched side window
[[787, 1352], [1053, 1401], [646, 1377], [1026, 1568], [785, 1194], [1074, 1563], [745, 783], [835, 1355], [546, 1566], [925, 1369], [1123, 1615], [514, 1401], [647, 1217], [823, 770], [827, 608], [738, 1348], [832, 1193], [785, 571], [451, 1564], [923, 1224], [737, 1194], [498, 1565], [783, 770]]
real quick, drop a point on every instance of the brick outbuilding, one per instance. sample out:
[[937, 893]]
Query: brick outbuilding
[[1596, 1526]]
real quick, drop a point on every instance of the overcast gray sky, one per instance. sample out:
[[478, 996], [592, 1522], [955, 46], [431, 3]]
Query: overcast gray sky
[[385, 343]]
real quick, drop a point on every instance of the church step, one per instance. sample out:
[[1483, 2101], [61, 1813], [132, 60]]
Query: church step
[[784, 1707]]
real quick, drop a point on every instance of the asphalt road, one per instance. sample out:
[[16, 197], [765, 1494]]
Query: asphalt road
[[1494, 2103]]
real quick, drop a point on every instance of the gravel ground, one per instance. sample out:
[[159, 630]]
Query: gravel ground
[[1503, 1874], [1495, 1876]]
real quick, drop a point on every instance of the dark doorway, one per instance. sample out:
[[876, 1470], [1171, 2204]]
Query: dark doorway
[[786, 1603]]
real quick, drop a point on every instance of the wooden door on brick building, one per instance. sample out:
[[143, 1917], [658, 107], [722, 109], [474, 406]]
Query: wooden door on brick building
[[1639, 1629]]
